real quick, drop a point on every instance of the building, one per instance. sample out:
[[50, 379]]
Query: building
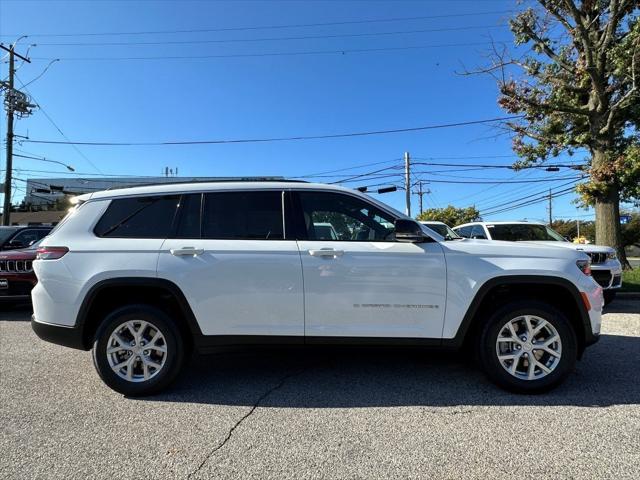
[[43, 193]]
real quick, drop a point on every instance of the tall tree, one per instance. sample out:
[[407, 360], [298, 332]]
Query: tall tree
[[577, 88], [450, 215]]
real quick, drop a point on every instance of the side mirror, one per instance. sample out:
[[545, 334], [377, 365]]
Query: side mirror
[[409, 231]]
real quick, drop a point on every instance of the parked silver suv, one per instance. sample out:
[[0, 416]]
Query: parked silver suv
[[605, 266]]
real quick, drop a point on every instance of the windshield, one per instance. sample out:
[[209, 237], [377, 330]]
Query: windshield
[[443, 230], [6, 233], [519, 232]]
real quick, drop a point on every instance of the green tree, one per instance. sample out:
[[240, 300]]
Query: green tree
[[450, 215], [576, 89], [569, 229]]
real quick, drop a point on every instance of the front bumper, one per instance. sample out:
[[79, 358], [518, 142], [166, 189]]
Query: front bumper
[[607, 274], [66, 336], [16, 287]]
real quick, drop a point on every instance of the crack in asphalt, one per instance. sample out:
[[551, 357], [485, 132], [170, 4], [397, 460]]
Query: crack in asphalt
[[279, 385]]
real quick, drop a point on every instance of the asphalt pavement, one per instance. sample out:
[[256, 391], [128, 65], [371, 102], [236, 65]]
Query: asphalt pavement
[[319, 413]]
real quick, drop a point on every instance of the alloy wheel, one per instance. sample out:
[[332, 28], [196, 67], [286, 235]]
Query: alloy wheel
[[136, 351], [529, 347]]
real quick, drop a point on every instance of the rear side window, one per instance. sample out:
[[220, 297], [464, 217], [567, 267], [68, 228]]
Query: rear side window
[[138, 217], [243, 216], [188, 223]]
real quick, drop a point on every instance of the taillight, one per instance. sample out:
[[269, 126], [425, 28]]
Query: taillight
[[50, 253], [584, 266]]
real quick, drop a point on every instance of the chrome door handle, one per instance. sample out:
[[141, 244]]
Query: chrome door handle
[[186, 251], [326, 252]]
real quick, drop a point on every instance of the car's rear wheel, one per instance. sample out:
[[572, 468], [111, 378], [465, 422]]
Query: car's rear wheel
[[528, 347], [138, 350]]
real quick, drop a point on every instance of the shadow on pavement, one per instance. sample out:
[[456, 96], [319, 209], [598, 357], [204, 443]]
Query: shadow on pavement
[[623, 305], [16, 312], [346, 378]]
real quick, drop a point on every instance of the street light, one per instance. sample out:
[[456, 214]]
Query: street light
[[68, 167]]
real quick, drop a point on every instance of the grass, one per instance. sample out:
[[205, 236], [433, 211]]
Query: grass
[[631, 280]]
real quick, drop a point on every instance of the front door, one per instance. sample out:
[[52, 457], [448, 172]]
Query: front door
[[358, 280], [230, 257]]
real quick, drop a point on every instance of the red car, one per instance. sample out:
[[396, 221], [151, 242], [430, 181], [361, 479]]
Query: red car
[[16, 274]]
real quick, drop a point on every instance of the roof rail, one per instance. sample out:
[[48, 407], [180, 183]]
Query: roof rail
[[225, 180]]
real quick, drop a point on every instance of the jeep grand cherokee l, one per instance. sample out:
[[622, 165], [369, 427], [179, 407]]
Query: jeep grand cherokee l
[[143, 275]]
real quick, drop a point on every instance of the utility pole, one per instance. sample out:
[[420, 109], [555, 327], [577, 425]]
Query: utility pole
[[421, 193], [407, 183], [14, 101], [550, 208], [578, 225]]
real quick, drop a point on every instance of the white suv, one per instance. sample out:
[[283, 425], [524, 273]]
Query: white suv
[[144, 275], [605, 266]]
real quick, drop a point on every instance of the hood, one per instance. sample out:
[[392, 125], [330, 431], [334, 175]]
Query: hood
[[499, 248], [576, 246]]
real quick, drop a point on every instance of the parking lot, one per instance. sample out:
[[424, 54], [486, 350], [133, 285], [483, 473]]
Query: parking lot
[[327, 413]]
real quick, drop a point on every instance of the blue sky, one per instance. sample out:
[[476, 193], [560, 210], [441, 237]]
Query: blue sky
[[247, 96]]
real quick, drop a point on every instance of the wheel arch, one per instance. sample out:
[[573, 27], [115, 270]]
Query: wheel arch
[[157, 292], [557, 291]]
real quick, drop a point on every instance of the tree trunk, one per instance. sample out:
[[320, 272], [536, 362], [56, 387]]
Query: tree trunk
[[608, 230]]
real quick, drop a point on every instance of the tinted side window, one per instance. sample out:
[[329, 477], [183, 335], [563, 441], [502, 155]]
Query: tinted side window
[[138, 217], [478, 232], [335, 216], [188, 223], [243, 216], [464, 231]]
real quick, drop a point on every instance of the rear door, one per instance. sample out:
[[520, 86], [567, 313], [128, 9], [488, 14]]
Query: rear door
[[364, 283], [232, 258]]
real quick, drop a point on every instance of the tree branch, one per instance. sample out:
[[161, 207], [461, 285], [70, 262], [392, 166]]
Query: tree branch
[[548, 107]]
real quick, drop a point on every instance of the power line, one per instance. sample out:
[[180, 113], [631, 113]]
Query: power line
[[368, 174], [509, 196], [44, 112], [270, 39], [280, 139], [346, 168], [529, 195], [510, 167], [539, 199], [265, 27], [25, 85], [498, 181], [343, 51]]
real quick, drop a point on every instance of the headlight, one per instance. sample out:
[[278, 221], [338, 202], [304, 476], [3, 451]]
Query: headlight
[[584, 266], [612, 255]]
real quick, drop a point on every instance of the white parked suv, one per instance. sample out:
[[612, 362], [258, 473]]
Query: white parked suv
[[144, 275], [606, 269]]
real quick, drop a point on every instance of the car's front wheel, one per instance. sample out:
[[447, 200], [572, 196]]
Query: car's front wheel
[[138, 350], [528, 347]]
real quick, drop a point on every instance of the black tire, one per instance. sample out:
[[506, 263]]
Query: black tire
[[609, 295], [174, 343], [489, 357]]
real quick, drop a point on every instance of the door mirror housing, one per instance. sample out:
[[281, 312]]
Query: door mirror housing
[[409, 231]]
